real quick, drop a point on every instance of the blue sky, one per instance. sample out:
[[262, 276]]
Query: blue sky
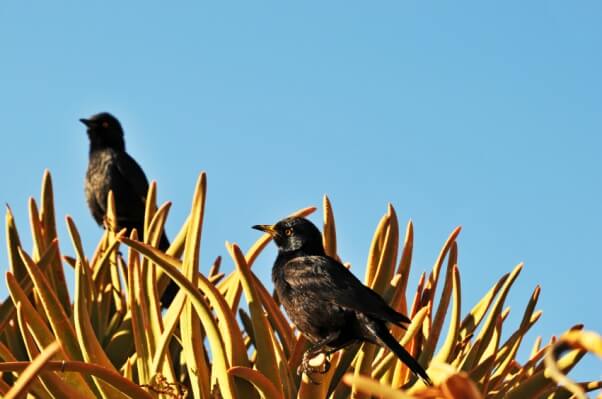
[[480, 114]]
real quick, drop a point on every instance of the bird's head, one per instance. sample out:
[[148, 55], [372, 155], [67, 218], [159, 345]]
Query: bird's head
[[295, 234], [104, 130]]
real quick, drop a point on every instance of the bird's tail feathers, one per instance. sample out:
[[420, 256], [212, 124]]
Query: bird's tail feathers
[[169, 294], [386, 339], [164, 242], [390, 315]]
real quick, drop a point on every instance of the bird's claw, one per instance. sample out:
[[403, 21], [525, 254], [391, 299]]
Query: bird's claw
[[326, 366], [308, 369], [309, 376]]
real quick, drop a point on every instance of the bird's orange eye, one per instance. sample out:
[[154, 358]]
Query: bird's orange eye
[[288, 232], [105, 124]]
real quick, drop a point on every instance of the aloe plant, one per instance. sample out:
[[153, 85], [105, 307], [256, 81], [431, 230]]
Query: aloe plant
[[111, 340]]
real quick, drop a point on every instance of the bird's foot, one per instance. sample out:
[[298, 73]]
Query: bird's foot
[[326, 365], [309, 375], [310, 365]]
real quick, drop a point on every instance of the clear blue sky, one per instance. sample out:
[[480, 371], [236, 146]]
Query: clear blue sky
[[481, 114]]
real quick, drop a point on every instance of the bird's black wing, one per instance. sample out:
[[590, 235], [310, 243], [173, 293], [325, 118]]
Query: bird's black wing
[[130, 189], [332, 281]]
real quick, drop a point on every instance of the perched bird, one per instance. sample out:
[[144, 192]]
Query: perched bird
[[110, 167], [326, 302]]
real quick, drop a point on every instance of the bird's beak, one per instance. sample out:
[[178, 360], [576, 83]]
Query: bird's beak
[[266, 228], [86, 122]]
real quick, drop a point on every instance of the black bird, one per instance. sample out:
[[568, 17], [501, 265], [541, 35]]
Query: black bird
[[326, 302], [110, 167]]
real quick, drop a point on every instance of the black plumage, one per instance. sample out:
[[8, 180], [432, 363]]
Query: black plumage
[[326, 302], [110, 167]]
